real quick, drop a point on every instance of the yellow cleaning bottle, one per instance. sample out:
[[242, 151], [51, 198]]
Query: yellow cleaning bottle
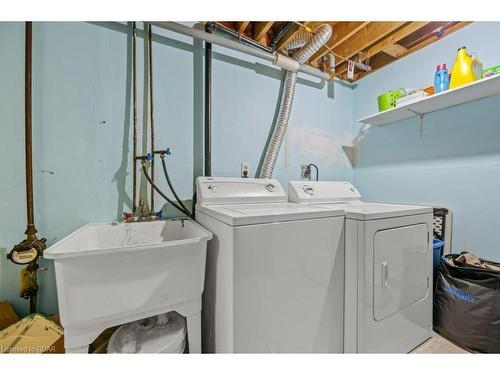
[[467, 69]]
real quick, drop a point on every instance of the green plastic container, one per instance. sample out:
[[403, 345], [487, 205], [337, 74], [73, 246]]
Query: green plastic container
[[388, 99], [491, 71]]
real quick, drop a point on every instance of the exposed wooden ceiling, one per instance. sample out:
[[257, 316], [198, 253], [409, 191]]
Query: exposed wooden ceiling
[[373, 43]]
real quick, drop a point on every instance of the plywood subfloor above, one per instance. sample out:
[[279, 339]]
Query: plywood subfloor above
[[373, 43]]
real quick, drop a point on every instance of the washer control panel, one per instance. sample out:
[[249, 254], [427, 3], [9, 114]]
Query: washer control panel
[[229, 190], [271, 187], [308, 189]]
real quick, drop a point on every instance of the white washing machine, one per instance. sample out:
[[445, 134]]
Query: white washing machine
[[388, 267], [275, 270]]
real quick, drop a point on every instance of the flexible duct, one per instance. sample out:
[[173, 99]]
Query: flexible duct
[[298, 41], [312, 44]]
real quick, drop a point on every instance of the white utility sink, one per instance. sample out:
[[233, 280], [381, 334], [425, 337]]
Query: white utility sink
[[110, 274]]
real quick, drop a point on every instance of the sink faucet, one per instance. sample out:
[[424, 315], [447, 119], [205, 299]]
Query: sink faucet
[[129, 217], [146, 215], [142, 209]]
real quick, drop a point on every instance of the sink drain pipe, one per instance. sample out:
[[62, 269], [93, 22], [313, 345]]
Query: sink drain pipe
[[312, 44]]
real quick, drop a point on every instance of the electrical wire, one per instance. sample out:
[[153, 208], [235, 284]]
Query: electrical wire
[[317, 170], [193, 203], [187, 213], [304, 26]]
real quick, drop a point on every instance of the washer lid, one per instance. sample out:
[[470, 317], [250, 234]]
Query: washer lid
[[372, 211], [322, 191], [229, 190], [260, 213]]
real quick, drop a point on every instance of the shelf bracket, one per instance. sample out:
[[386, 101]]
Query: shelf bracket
[[420, 120]]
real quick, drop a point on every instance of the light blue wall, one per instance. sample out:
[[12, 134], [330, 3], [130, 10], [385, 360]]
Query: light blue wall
[[244, 105], [457, 161], [81, 130], [82, 127], [81, 119]]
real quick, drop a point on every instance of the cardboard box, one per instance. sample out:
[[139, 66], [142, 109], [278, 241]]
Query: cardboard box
[[33, 334], [7, 315]]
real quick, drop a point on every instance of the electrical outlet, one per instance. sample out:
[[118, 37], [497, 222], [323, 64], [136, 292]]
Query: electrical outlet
[[305, 172], [244, 169]]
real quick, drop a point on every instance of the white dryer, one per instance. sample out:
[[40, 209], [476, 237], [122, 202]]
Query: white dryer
[[275, 270], [388, 267]]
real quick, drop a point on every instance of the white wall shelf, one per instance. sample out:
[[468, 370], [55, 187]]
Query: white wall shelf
[[472, 91]]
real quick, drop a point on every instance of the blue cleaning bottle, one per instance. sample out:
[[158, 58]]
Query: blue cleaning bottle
[[441, 79]]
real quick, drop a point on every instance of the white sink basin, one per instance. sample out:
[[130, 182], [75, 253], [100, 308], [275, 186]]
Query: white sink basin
[[109, 274]]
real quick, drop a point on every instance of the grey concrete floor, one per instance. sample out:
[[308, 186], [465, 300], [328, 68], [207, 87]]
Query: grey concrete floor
[[439, 345]]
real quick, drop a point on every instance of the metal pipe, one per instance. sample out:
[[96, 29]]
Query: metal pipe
[[238, 37], [28, 145], [151, 113], [225, 42], [33, 301], [31, 242], [208, 109], [281, 33], [330, 57], [28, 148], [134, 120]]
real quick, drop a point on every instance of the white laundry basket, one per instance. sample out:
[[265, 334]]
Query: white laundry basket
[[148, 336]]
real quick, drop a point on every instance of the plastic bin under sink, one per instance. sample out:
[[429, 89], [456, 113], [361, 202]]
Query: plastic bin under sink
[[110, 274]]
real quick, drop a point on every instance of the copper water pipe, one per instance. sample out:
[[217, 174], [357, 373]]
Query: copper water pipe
[[150, 61], [134, 120], [28, 149], [31, 242], [30, 229]]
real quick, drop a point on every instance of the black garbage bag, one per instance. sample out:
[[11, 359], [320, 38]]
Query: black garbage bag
[[467, 305]]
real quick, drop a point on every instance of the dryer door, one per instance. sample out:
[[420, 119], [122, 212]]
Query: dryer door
[[394, 301], [400, 269]]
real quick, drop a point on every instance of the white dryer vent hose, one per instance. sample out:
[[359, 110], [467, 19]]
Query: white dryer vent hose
[[308, 46]]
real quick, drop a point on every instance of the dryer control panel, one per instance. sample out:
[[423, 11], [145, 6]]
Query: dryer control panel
[[322, 192]]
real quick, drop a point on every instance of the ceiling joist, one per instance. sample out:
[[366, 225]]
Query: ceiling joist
[[393, 38], [395, 50], [260, 29], [381, 42], [341, 32], [242, 26], [365, 37], [424, 43]]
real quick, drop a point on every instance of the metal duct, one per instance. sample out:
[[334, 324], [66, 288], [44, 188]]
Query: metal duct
[[298, 40], [312, 45]]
